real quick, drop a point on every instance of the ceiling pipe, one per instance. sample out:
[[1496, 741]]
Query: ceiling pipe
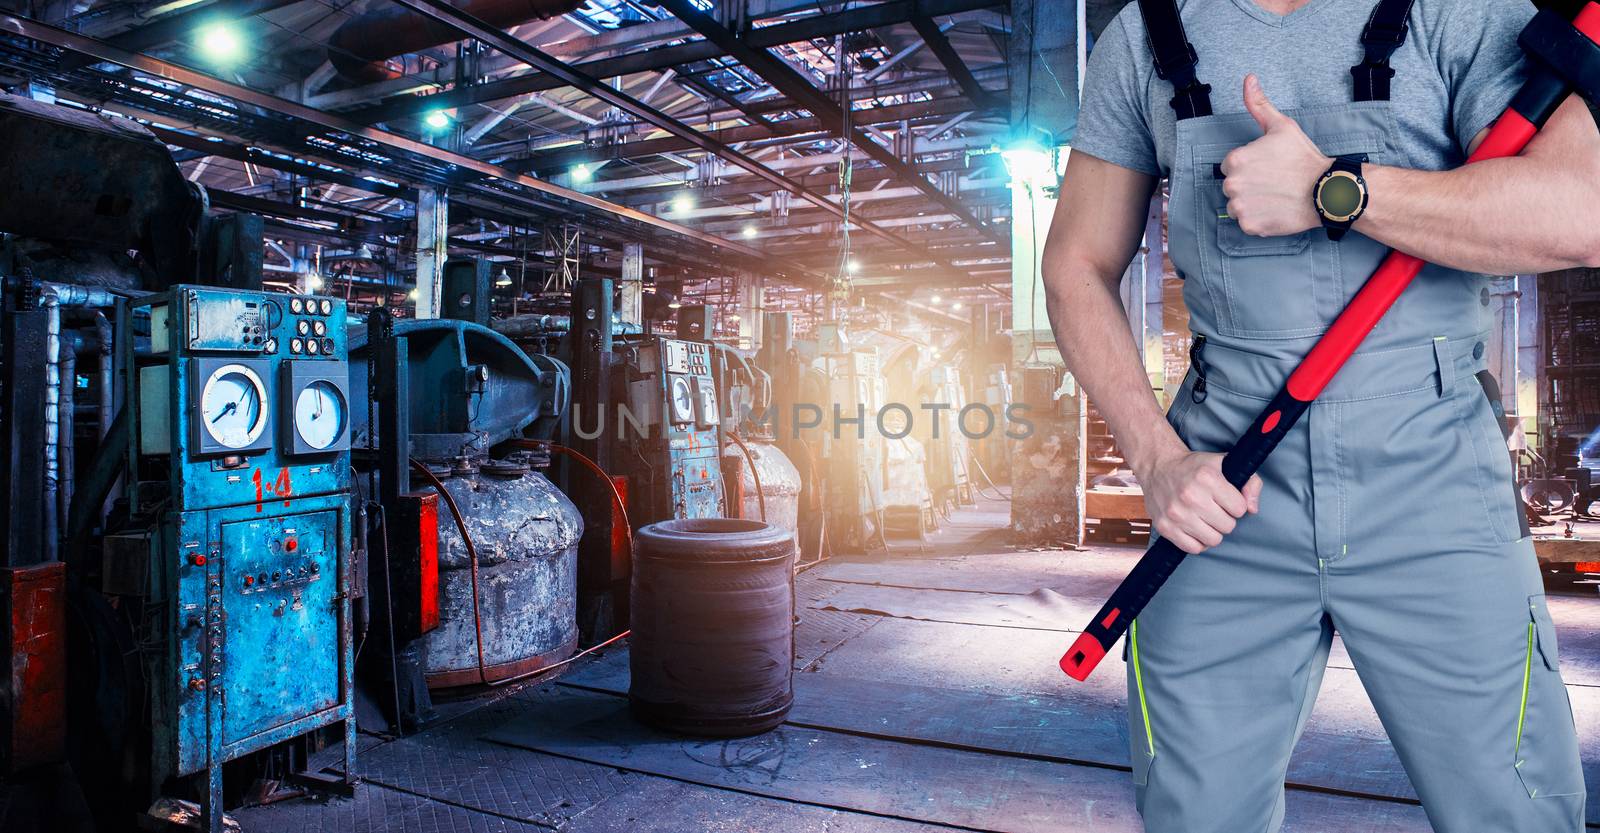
[[366, 48]]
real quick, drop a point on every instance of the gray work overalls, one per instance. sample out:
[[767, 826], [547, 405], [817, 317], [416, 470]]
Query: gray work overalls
[[1388, 514]]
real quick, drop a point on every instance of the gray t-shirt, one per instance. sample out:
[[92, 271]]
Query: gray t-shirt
[[1459, 68]]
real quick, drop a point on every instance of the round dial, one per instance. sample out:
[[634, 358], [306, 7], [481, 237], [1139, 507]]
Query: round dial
[[326, 306], [302, 327], [296, 306], [319, 414], [682, 399], [233, 407], [312, 346], [319, 328]]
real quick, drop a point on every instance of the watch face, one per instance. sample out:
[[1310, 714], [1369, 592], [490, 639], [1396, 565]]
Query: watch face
[[1339, 195]]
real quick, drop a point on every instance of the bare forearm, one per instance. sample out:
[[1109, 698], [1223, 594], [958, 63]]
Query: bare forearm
[[1498, 217], [1535, 212], [1092, 332]]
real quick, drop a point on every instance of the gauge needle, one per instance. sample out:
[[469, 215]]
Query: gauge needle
[[226, 409]]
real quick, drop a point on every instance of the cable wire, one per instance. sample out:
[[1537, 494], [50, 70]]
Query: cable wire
[[472, 556], [761, 497]]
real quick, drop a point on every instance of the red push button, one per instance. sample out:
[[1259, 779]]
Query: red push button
[[291, 545], [198, 559]]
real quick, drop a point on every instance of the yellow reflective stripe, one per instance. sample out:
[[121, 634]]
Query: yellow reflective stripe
[[1138, 679], [1527, 675]]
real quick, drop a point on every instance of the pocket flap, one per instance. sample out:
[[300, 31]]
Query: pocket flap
[[1544, 632]]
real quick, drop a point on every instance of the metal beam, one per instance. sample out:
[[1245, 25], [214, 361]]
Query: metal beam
[[102, 51], [792, 84], [498, 39], [804, 29], [240, 152], [953, 64], [581, 154]]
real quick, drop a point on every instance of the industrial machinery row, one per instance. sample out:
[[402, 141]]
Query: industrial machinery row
[[242, 520]]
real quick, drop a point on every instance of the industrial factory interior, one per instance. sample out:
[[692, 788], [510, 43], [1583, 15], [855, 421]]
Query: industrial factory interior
[[646, 415]]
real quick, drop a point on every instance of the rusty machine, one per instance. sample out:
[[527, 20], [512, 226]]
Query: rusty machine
[[477, 579], [179, 589]]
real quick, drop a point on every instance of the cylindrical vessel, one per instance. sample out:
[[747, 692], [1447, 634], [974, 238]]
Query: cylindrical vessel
[[712, 651], [779, 484], [526, 534]]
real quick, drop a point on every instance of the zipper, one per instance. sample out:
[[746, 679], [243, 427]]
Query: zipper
[[1198, 362]]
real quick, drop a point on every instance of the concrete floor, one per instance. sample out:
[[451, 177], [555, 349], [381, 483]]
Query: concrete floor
[[927, 699]]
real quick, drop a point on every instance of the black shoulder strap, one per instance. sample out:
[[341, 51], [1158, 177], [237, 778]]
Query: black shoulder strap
[[1175, 58], [1386, 31]]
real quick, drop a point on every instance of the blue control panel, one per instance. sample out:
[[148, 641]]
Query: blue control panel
[[242, 450]]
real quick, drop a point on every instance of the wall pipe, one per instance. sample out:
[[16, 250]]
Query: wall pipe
[[52, 426], [66, 400], [56, 296]]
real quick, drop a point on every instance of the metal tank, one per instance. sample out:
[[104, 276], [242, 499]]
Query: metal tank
[[772, 484], [526, 535], [712, 607], [470, 390]]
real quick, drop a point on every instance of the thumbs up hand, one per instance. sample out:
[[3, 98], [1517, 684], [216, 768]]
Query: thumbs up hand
[[1269, 181]]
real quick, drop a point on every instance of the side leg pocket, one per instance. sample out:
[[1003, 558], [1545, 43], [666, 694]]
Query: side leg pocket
[[1546, 749], [1141, 738]]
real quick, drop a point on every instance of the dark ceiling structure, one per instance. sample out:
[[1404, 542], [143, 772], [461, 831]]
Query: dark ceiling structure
[[811, 144]]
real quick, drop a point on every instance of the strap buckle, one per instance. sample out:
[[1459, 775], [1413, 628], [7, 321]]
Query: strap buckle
[[1379, 33], [1167, 68]]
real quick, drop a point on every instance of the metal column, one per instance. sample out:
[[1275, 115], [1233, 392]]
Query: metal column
[[433, 231], [1048, 466]]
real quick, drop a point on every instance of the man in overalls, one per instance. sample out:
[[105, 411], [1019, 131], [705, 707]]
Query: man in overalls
[[1330, 131]]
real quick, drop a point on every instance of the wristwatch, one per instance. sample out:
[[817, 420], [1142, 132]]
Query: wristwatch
[[1341, 195]]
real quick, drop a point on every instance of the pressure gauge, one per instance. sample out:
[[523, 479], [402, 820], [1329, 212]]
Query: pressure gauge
[[327, 306], [313, 347], [231, 408], [681, 400], [302, 327], [319, 414], [317, 392], [320, 328], [707, 394], [296, 306]]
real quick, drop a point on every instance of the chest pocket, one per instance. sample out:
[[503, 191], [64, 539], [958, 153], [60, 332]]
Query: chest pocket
[[1287, 286]]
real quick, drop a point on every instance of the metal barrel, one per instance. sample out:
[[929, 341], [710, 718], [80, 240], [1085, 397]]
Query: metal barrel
[[712, 650]]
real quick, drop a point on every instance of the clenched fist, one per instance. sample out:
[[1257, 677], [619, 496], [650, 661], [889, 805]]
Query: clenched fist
[[1190, 503]]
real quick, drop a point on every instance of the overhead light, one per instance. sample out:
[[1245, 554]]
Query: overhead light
[[412, 294], [582, 173], [313, 282], [683, 203], [733, 317], [1029, 160], [936, 299], [957, 306], [220, 43], [852, 266], [503, 279], [750, 231], [437, 119], [673, 305]]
